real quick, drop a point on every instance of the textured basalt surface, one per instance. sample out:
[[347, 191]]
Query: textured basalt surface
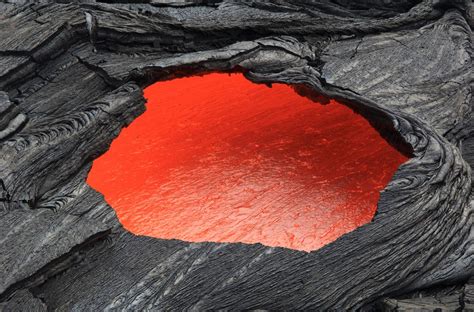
[[72, 75]]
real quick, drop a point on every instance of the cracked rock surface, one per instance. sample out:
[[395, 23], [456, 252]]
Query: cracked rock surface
[[72, 74]]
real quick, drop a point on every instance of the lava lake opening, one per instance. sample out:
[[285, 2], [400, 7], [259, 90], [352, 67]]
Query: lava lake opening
[[219, 158]]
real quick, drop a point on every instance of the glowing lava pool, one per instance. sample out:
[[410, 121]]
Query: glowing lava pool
[[219, 158]]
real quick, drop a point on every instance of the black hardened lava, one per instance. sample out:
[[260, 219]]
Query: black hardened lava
[[72, 74]]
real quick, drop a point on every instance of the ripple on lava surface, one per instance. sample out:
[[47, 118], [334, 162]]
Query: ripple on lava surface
[[219, 158]]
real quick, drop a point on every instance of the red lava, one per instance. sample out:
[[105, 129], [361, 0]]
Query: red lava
[[219, 158]]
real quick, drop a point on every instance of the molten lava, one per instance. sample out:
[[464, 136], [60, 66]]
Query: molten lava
[[219, 158]]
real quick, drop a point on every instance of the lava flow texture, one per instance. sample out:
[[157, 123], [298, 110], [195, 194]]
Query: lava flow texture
[[219, 158]]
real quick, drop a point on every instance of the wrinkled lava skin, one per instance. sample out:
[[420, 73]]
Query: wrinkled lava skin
[[219, 158]]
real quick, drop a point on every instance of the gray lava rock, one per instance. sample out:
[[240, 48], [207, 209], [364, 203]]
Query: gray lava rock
[[71, 76]]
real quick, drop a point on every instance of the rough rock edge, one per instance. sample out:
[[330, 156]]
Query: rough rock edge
[[431, 246]]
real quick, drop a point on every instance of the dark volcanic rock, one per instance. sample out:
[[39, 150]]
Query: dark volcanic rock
[[71, 78], [23, 301], [50, 236]]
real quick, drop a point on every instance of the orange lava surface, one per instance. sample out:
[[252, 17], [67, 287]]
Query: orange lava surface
[[219, 158]]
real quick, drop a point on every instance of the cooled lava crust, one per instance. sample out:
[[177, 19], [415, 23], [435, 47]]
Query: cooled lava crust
[[72, 77]]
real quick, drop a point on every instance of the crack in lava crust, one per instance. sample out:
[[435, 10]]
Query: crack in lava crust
[[219, 158]]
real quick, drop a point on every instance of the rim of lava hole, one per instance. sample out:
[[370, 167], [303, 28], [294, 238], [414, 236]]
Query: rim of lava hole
[[220, 158]]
